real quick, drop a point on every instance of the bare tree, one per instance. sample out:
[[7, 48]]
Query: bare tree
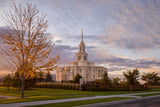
[[25, 41]]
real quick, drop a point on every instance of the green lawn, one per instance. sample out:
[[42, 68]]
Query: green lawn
[[147, 95], [61, 92], [35, 98], [84, 102], [38, 94]]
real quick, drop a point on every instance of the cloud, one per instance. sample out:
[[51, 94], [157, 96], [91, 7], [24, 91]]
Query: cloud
[[123, 24], [68, 53], [110, 28], [118, 62], [136, 26], [65, 52]]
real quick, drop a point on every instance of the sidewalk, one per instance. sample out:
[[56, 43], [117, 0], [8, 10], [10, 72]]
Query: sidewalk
[[111, 103], [71, 99]]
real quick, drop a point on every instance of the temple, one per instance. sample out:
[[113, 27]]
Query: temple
[[85, 68]]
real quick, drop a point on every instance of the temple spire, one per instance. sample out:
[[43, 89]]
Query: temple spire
[[82, 55], [82, 34]]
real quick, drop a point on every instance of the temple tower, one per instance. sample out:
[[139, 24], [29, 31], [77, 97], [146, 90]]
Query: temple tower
[[82, 55]]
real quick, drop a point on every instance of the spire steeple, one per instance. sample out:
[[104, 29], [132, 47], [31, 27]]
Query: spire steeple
[[82, 34], [82, 55]]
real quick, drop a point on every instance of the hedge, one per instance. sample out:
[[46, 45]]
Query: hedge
[[95, 87], [70, 86]]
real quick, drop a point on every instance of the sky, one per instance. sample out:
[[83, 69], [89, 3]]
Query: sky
[[118, 34]]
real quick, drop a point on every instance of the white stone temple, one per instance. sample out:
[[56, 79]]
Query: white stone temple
[[85, 68]]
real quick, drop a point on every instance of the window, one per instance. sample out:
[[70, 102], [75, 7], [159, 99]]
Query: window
[[80, 70], [93, 75], [79, 57], [85, 58], [99, 74]]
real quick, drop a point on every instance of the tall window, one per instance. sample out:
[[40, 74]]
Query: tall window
[[79, 57], [93, 73], [99, 73], [80, 71]]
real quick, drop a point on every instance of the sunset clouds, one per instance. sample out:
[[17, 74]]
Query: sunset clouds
[[118, 34]]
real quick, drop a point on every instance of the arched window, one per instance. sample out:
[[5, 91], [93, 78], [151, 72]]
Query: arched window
[[79, 57], [99, 73], [80, 71]]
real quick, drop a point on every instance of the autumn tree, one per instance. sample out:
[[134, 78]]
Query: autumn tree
[[151, 78], [25, 41]]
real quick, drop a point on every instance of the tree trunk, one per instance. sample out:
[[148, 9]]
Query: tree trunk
[[23, 85]]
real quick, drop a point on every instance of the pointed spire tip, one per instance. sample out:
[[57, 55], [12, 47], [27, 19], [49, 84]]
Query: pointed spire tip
[[82, 33]]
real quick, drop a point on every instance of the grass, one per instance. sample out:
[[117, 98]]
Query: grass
[[35, 98], [39, 94], [84, 102], [62, 92], [147, 95]]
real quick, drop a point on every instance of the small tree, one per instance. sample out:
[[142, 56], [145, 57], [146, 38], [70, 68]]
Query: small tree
[[105, 79], [116, 81], [77, 78], [7, 81], [151, 78], [123, 82], [132, 77], [48, 77]]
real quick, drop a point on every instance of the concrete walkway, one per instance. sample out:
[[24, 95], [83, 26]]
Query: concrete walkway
[[22, 104], [142, 102]]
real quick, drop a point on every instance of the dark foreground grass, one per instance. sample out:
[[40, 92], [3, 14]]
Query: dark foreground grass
[[147, 95], [84, 102]]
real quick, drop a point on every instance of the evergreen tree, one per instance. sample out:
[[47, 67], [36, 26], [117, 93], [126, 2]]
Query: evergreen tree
[[49, 77], [77, 78], [41, 76], [105, 79]]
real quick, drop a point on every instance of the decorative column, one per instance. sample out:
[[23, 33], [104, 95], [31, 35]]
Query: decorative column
[[84, 74]]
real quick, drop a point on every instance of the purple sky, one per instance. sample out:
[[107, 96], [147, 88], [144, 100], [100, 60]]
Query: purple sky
[[118, 34]]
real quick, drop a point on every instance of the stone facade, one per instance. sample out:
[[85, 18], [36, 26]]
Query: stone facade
[[85, 68]]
